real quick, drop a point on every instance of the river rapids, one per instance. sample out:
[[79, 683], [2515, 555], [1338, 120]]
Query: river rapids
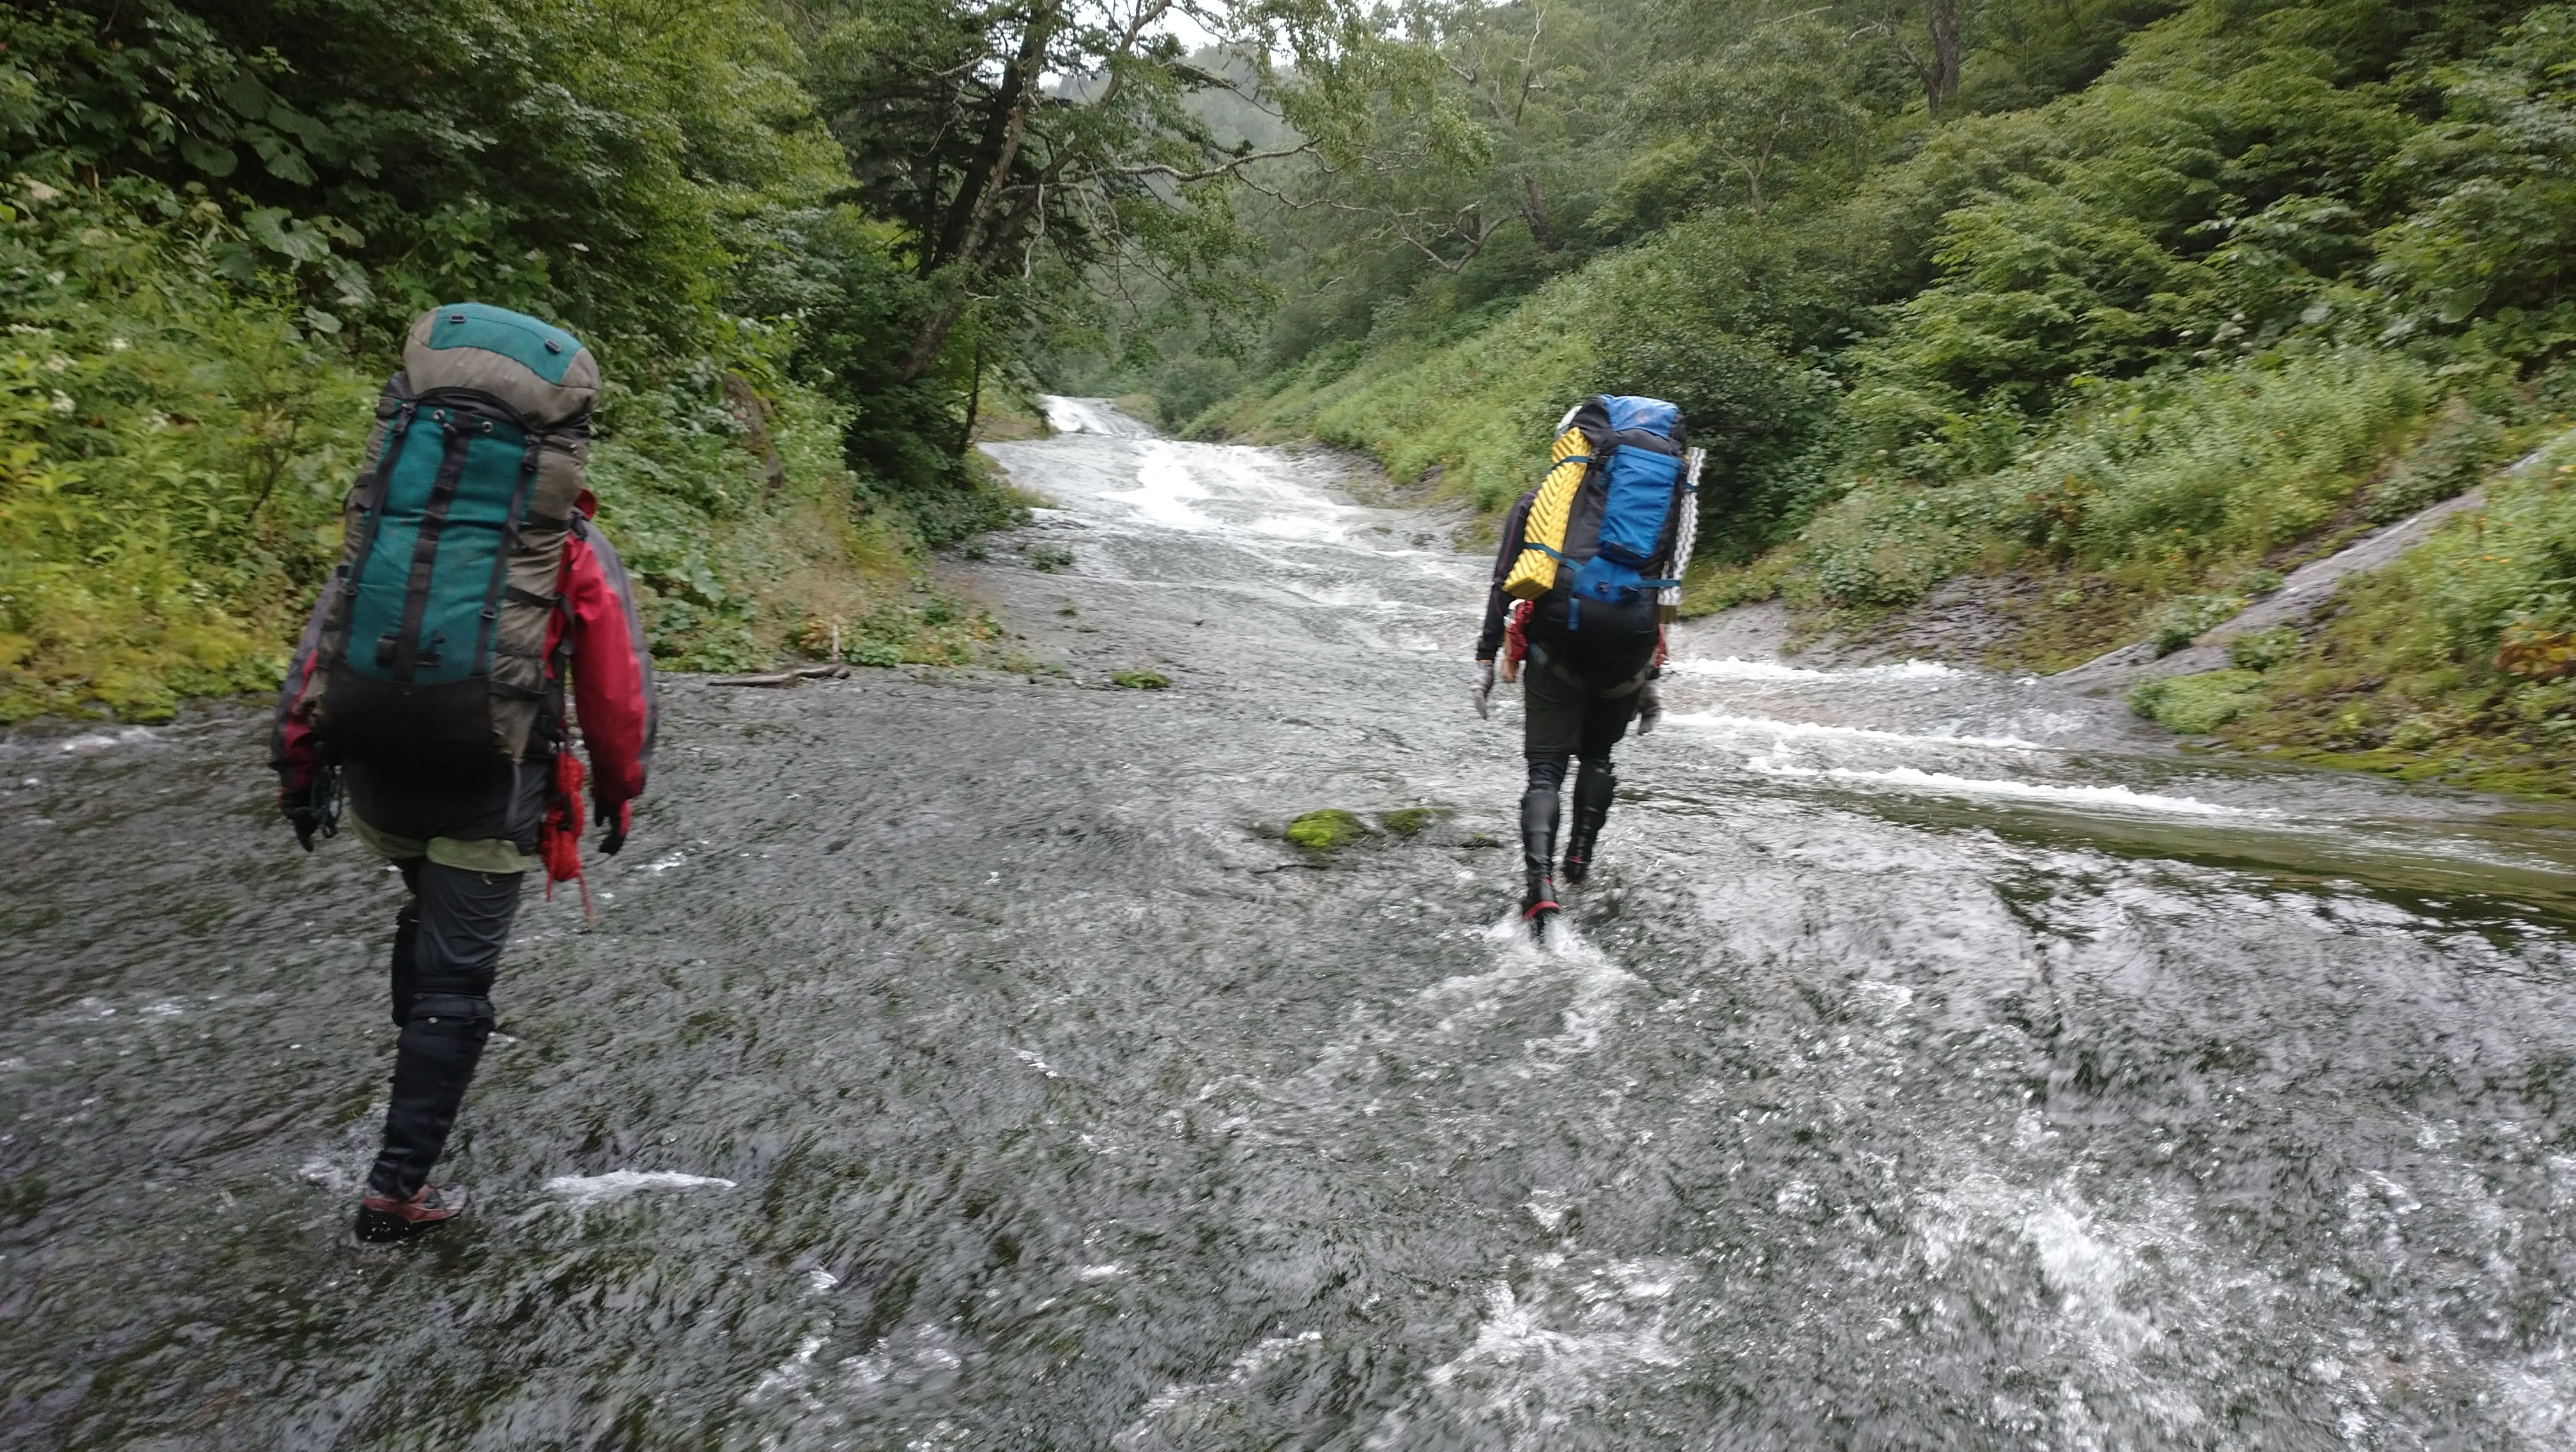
[[961, 1059]]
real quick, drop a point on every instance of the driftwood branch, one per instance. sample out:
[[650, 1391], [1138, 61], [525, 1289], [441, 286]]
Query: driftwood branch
[[784, 678], [1230, 164]]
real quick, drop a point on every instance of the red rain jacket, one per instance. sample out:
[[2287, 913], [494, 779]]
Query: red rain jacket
[[612, 673]]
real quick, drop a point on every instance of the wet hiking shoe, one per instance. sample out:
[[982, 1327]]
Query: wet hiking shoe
[[1593, 788], [1578, 864], [1538, 912], [382, 1219]]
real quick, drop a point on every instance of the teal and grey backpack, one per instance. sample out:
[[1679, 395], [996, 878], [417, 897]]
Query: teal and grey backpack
[[432, 650]]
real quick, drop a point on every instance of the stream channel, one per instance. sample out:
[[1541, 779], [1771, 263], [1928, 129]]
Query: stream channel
[[962, 1060]]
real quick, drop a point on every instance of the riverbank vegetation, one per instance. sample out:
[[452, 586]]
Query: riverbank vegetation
[[811, 241], [2102, 315]]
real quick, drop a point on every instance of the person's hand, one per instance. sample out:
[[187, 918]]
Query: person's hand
[[616, 819], [1650, 707], [1483, 690]]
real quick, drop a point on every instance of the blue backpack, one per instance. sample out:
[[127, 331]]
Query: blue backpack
[[1619, 542]]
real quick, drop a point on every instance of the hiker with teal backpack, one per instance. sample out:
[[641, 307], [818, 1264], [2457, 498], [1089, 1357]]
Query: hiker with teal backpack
[[429, 694], [1594, 557]]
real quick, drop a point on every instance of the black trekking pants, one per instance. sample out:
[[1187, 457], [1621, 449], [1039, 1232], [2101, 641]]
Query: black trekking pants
[[1567, 718], [447, 948]]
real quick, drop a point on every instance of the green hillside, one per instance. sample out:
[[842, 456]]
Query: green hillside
[[2148, 311]]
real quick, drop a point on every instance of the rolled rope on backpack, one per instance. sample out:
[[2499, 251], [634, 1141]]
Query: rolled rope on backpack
[[1685, 536]]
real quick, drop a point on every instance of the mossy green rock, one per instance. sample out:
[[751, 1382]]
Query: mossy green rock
[[1409, 821], [1326, 830], [1142, 680]]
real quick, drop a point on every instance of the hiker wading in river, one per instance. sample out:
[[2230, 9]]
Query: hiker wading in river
[[430, 686], [1588, 572]]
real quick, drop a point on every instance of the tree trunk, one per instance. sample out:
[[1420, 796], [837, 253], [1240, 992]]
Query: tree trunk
[[1535, 214], [1941, 77], [998, 149]]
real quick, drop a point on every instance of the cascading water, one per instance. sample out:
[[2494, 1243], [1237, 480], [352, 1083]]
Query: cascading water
[[962, 1060]]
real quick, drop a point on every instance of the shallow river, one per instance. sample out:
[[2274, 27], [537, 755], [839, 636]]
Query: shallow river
[[961, 1060]]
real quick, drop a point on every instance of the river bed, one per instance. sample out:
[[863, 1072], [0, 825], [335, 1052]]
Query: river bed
[[961, 1059]]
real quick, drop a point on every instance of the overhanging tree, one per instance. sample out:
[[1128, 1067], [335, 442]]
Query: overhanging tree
[[1031, 147]]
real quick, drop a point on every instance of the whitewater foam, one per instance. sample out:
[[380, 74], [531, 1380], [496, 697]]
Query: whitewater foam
[[1942, 783], [1818, 729], [1735, 668], [618, 1184]]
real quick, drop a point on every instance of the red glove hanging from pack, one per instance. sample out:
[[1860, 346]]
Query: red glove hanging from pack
[[559, 834], [1516, 640]]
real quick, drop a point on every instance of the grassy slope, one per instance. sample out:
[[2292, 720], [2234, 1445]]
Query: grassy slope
[[2443, 666]]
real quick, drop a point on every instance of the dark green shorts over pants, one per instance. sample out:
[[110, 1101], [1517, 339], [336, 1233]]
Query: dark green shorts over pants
[[1563, 716]]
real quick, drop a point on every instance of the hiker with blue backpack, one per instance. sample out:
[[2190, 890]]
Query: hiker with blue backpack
[[429, 694], [1588, 572]]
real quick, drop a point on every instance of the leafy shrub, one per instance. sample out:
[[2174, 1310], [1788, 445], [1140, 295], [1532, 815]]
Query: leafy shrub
[[2260, 650], [170, 466], [2197, 705], [2487, 250], [2454, 455], [2186, 472], [2182, 620]]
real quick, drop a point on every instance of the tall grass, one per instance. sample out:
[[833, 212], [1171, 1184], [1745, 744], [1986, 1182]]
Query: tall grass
[[2187, 474]]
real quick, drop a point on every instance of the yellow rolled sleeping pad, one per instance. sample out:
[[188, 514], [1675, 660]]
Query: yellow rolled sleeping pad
[[1544, 531]]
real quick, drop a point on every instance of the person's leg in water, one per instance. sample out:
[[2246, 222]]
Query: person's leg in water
[[457, 924], [1605, 721], [1538, 834], [1552, 729]]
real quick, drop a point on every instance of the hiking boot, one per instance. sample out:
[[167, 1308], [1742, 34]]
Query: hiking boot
[[1593, 787], [1539, 911], [383, 1219]]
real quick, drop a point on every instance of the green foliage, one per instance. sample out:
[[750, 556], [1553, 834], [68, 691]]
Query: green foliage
[[174, 446], [2448, 664], [573, 159], [222, 218], [1140, 680], [2184, 617], [2198, 705], [2191, 475], [170, 467], [2487, 248], [2260, 650]]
